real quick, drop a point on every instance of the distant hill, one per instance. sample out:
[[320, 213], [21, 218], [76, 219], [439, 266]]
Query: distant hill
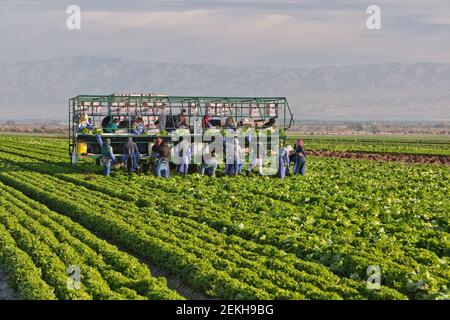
[[40, 89]]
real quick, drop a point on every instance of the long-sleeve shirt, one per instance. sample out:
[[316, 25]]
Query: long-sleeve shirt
[[155, 151], [300, 150], [138, 129], [105, 152], [284, 156]]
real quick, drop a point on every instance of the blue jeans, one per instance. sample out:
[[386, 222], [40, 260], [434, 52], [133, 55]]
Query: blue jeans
[[282, 169], [162, 169], [183, 169], [233, 169], [299, 165], [107, 168], [210, 168]]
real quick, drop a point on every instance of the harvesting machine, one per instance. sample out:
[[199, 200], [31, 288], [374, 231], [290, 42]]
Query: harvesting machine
[[159, 115]]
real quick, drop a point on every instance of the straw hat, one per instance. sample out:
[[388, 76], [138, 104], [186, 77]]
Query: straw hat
[[84, 118]]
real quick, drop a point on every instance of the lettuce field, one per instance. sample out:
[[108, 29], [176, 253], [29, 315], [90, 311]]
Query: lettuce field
[[305, 237]]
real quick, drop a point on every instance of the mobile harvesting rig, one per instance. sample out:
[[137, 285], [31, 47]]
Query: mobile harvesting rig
[[159, 116]]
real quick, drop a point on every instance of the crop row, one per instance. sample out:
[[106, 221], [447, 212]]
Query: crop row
[[419, 146], [270, 218], [227, 253], [50, 243], [351, 251], [379, 146]]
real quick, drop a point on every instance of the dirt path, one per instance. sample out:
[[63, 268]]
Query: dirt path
[[409, 158], [6, 293], [176, 283]]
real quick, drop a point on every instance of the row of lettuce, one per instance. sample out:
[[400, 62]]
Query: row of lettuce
[[399, 145], [37, 247], [355, 232], [219, 265], [421, 145], [329, 224]]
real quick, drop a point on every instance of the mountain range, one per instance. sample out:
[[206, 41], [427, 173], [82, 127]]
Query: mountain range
[[41, 89]]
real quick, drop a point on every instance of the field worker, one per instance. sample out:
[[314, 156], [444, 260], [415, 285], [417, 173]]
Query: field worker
[[182, 124], [107, 158], [105, 122], [138, 127], [206, 124], [112, 126], [256, 158], [233, 156], [84, 123], [162, 165], [209, 161], [284, 161], [184, 152], [131, 155], [229, 123], [156, 147], [155, 153], [299, 158]]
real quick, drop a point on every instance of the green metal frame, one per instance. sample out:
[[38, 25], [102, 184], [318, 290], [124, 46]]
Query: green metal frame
[[145, 105]]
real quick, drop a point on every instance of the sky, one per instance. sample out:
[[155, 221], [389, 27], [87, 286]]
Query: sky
[[240, 33]]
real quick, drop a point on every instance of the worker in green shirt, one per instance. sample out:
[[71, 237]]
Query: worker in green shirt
[[111, 127], [107, 158]]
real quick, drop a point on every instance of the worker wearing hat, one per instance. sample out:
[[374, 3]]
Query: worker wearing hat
[[84, 123]]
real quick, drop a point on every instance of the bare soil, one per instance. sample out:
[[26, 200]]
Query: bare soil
[[176, 283], [6, 292]]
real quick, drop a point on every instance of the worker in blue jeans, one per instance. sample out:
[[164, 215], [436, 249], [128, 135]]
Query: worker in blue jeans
[[131, 156], [162, 166], [299, 158], [234, 159], [209, 166], [107, 156], [184, 151], [209, 161], [284, 161]]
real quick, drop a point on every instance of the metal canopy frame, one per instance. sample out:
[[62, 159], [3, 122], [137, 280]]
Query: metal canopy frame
[[150, 106]]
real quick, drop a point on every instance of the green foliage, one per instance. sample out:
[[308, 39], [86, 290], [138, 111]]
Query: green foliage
[[378, 144], [309, 237]]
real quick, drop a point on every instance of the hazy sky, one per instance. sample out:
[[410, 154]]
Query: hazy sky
[[249, 32]]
